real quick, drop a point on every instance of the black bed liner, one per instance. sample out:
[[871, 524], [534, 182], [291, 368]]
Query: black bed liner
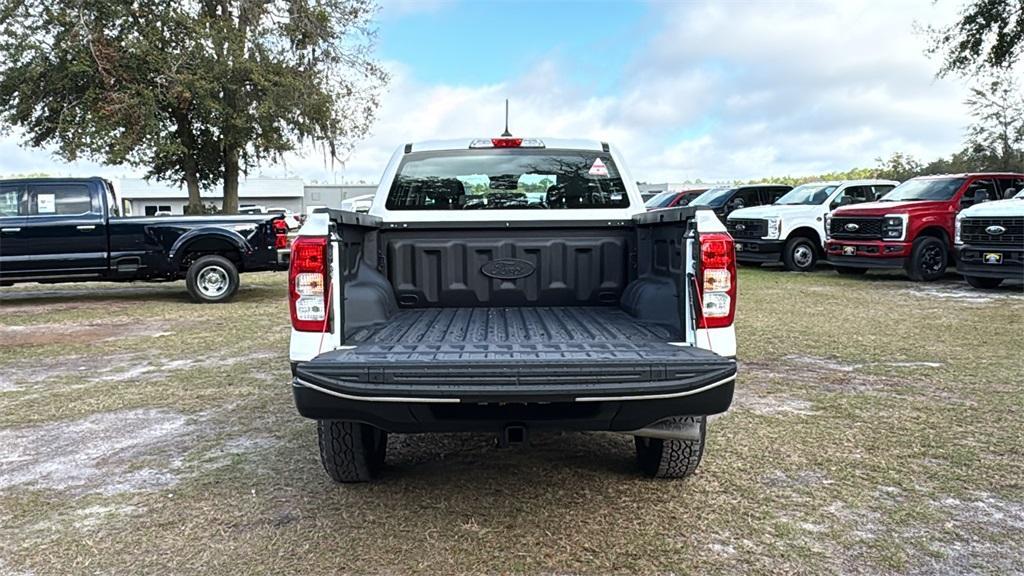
[[514, 354]]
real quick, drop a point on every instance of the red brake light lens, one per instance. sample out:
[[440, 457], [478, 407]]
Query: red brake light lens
[[717, 280], [506, 142], [281, 233], [307, 277]]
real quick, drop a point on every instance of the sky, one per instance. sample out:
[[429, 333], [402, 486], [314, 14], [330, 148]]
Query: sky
[[686, 90]]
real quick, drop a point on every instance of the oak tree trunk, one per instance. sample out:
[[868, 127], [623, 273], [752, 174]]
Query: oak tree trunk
[[230, 181]]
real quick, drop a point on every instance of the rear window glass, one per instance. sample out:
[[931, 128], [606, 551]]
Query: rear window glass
[[507, 179]]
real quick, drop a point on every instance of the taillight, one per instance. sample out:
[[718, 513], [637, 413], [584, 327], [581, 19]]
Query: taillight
[[307, 276], [506, 142], [717, 280], [280, 233]]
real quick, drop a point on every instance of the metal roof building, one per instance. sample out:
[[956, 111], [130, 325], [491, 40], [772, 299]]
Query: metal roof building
[[142, 197]]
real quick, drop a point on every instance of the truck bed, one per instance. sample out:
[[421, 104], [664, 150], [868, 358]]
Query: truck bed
[[544, 332], [534, 352]]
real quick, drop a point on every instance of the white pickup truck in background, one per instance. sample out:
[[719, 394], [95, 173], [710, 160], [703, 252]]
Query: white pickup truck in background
[[505, 285], [792, 229], [990, 242]]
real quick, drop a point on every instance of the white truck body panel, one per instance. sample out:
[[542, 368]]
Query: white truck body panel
[[795, 216]]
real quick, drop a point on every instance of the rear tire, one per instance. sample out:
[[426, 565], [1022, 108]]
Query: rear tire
[[981, 282], [671, 458], [351, 451], [212, 279], [847, 271], [800, 255]]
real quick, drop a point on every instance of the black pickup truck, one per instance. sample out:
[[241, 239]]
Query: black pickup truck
[[71, 230]]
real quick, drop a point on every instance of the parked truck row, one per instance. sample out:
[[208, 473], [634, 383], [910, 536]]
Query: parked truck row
[[921, 226]]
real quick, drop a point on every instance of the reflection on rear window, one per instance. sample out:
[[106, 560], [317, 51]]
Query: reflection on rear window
[[507, 179]]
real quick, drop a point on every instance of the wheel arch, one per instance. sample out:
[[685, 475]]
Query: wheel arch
[[934, 232], [805, 231], [203, 241]]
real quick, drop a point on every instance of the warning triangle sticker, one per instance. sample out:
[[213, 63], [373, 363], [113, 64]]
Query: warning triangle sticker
[[598, 168]]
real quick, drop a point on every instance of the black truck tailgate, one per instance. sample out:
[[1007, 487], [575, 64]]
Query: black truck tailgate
[[515, 354]]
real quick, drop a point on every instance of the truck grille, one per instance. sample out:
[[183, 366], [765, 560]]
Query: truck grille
[[747, 228], [975, 231], [864, 228]]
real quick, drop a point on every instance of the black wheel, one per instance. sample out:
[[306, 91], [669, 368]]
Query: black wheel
[[928, 259], [980, 282], [800, 255], [847, 271], [671, 458], [351, 451], [212, 279]]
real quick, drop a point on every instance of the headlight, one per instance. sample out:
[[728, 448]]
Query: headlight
[[892, 227], [774, 226], [828, 226], [956, 231]]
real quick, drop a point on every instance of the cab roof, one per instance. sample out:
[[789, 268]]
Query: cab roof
[[969, 175], [463, 144]]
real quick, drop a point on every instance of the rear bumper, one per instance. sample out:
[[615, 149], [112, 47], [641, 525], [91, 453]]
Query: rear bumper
[[758, 251], [971, 261], [412, 417], [284, 258], [489, 396]]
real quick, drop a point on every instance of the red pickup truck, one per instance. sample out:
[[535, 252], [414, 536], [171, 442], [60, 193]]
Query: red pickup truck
[[912, 227]]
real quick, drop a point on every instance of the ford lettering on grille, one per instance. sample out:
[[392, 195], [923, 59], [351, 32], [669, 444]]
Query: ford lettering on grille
[[852, 227], [995, 230]]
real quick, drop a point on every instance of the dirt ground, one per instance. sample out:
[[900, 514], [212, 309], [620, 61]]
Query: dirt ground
[[878, 428]]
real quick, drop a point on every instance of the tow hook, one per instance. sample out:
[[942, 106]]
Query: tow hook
[[512, 435], [669, 429]]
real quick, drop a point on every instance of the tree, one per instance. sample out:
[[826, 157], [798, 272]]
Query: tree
[[996, 136], [196, 91], [898, 166], [114, 81], [988, 35]]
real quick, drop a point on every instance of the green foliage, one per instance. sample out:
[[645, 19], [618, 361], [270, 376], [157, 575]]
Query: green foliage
[[26, 175], [988, 35], [196, 92], [995, 140]]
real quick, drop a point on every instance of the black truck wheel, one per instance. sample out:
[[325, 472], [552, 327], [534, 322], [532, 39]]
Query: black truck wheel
[[351, 451], [671, 458], [212, 279], [928, 259], [982, 282], [800, 255]]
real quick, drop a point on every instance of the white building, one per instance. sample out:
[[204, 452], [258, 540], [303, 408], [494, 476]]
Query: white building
[[140, 197], [332, 195]]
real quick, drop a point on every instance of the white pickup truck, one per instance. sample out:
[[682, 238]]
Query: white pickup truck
[[505, 285], [989, 242], [793, 228]]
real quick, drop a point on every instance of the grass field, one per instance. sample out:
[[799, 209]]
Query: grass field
[[878, 428]]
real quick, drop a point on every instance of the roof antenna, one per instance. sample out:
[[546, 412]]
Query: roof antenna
[[506, 133]]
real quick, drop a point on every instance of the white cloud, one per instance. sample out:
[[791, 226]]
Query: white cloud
[[715, 91]]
